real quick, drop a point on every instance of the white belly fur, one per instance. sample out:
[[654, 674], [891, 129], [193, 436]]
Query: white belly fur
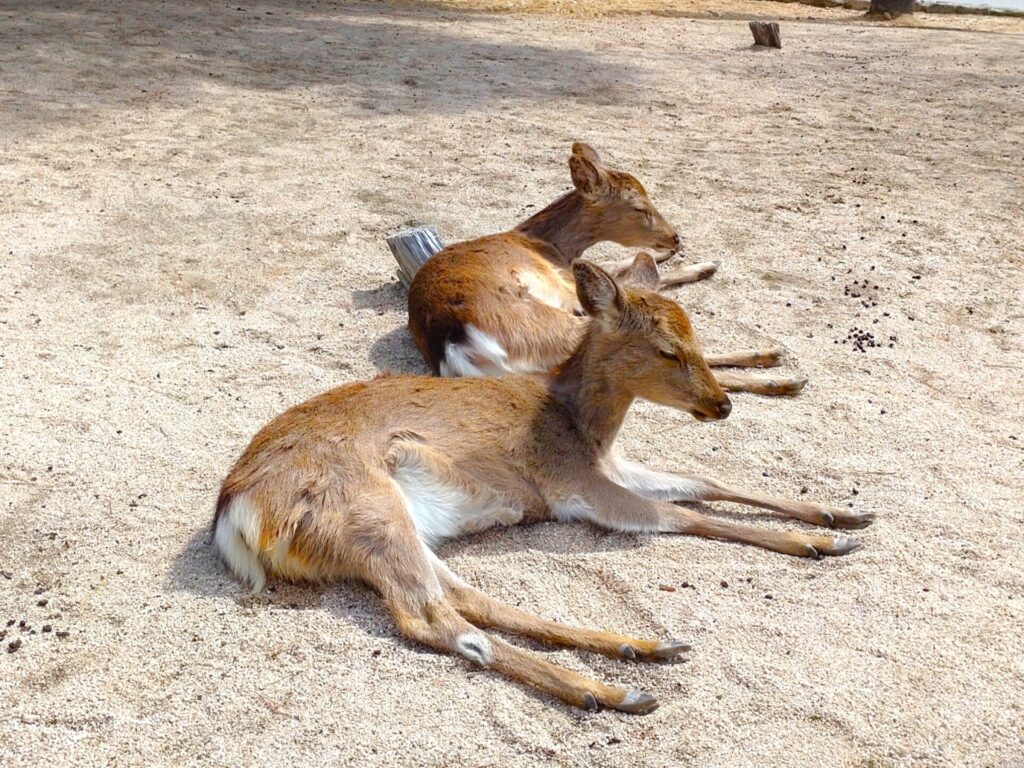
[[440, 511]]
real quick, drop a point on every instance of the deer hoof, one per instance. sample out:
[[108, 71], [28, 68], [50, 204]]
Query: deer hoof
[[793, 385], [626, 651], [841, 545], [637, 703], [670, 650], [589, 702], [770, 357], [843, 519]]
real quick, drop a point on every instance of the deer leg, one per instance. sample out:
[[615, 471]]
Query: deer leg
[[748, 358], [484, 611], [425, 616], [788, 543], [691, 273], [611, 506], [760, 385], [809, 511], [671, 486]]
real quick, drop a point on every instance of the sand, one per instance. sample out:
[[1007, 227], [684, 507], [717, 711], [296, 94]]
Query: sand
[[194, 203]]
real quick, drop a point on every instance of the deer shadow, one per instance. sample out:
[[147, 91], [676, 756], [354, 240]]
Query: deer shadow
[[197, 569]]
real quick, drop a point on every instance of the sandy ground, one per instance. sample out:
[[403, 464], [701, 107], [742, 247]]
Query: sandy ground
[[194, 201]]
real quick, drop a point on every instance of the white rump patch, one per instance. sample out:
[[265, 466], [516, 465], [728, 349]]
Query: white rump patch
[[650, 483], [440, 511], [237, 538], [480, 355], [476, 648]]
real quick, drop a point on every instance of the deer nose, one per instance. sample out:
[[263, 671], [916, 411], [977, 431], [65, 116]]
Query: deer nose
[[725, 409]]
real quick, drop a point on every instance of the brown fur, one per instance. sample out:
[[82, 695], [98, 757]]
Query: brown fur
[[493, 283], [322, 481]]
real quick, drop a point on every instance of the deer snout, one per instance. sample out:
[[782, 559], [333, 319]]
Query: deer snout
[[677, 242], [714, 411], [725, 408]]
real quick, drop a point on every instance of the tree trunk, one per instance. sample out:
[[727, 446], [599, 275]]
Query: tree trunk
[[411, 249], [892, 7], [766, 33]]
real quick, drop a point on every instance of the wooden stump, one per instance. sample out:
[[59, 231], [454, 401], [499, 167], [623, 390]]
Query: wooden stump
[[412, 248], [766, 33], [891, 7]]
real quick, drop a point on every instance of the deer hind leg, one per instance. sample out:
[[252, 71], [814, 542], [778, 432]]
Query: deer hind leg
[[398, 565], [484, 611], [760, 384]]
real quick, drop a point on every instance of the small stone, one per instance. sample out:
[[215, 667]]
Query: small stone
[[724, 584], [62, 633], [14, 645], [42, 603], [47, 627], [666, 588]]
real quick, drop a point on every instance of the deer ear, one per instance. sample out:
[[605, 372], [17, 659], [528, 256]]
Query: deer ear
[[598, 294], [586, 151], [643, 272], [588, 175]]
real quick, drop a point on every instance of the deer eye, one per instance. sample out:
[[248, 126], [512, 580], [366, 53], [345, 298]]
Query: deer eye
[[669, 355]]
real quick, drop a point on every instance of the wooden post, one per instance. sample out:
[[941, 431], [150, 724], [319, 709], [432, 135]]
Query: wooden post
[[766, 33], [891, 7], [412, 248]]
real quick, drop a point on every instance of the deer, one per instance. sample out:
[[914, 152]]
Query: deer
[[365, 480], [506, 303]]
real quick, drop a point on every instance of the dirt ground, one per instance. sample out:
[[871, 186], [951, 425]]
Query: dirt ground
[[193, 204]]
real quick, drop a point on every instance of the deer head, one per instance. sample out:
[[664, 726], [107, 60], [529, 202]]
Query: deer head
[[647, 345], [618, 207]]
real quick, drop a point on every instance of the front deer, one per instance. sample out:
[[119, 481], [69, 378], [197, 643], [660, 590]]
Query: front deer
[[363, 480], [506, 303]]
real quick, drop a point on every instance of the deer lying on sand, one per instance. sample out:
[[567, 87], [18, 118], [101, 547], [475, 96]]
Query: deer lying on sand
[[362, 481], [506, 303]]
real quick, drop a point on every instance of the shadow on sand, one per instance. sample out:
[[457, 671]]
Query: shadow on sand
[[359, 57]]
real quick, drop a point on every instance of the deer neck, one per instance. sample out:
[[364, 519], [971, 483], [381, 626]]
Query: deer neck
[[597, 402], [569, 225]]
